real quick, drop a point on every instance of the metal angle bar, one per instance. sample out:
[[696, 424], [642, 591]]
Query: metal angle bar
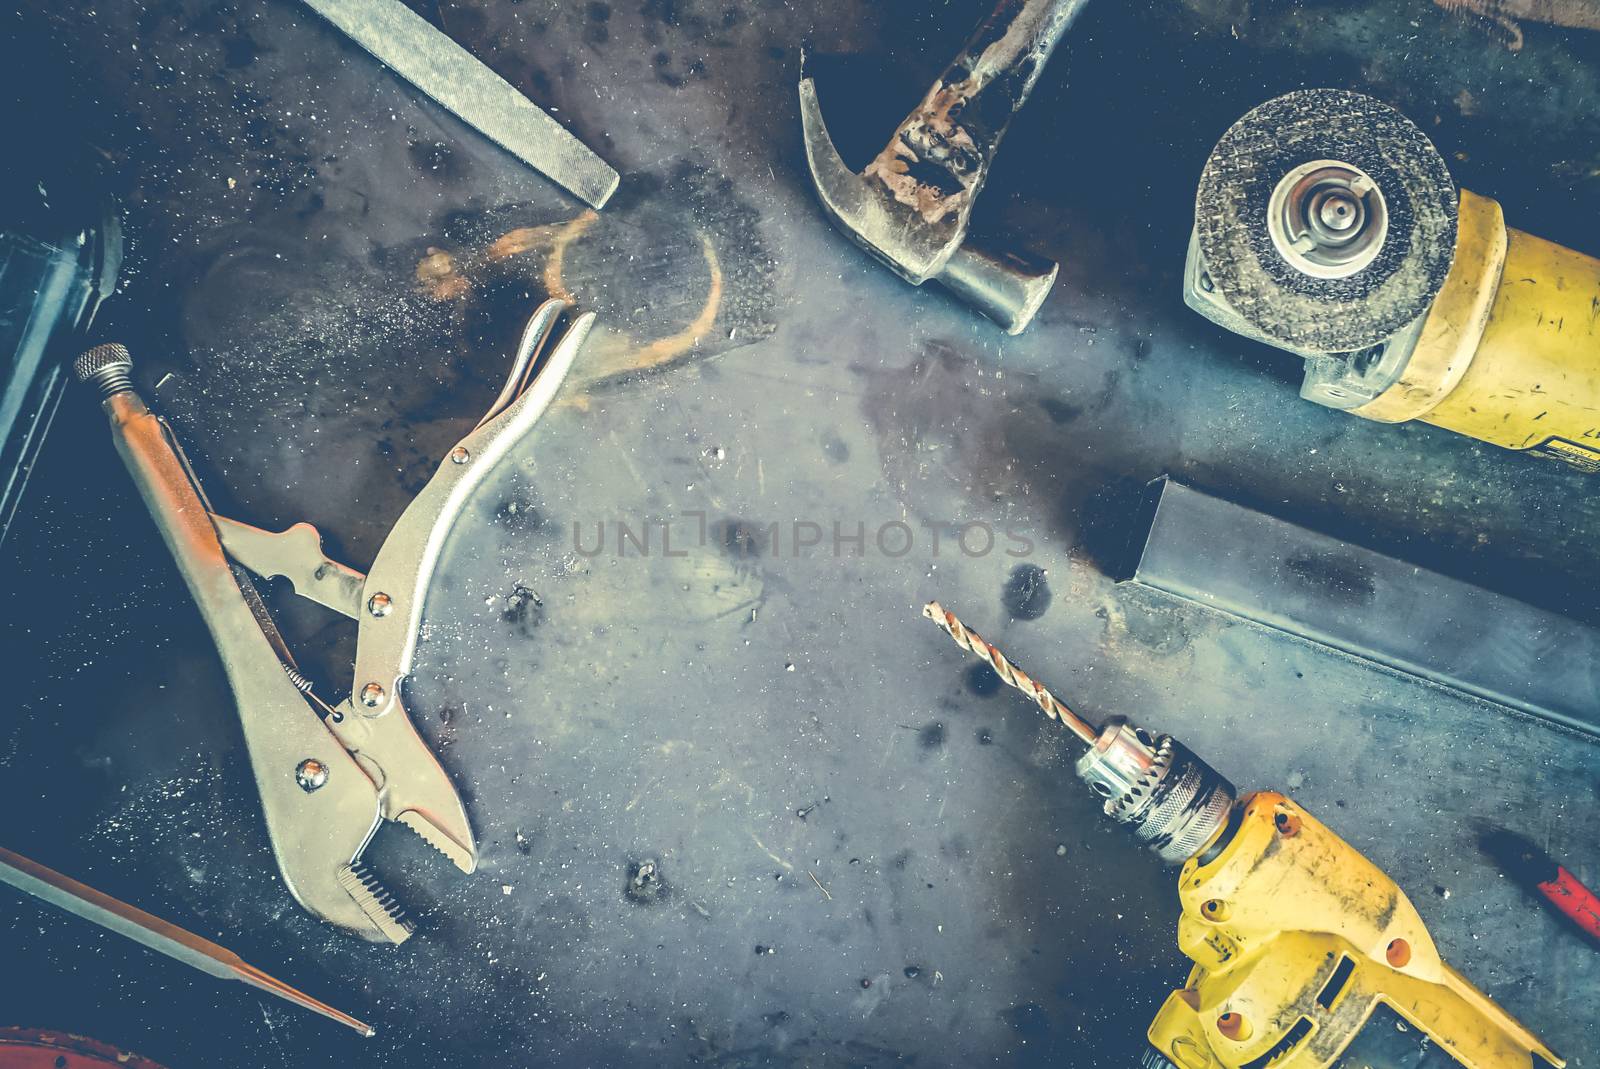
[[410, 46], [1409, 619]]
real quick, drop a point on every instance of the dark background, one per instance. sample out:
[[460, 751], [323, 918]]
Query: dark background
[[321, 298]]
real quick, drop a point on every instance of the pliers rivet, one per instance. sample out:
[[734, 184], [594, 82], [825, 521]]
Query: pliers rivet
[[311, 774], [371, 695], [460, 454], [380, 604]]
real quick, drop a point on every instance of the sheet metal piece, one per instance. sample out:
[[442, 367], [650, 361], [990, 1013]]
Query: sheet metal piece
[[1236, 561], [408, 45]]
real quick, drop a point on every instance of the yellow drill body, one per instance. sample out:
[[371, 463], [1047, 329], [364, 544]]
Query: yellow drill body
[[1296, 939]]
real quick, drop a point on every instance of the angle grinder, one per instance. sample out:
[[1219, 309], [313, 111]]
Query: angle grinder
[[1327, 225]]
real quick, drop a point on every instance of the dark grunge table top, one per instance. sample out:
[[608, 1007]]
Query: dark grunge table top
[[325, 275]]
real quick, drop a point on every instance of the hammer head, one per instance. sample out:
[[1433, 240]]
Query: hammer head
[[915, 219], [865, 207]]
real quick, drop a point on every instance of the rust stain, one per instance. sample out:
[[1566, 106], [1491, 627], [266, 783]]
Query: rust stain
[[564, 236], [439, 278], [1503, 14], [443, 277], [932, 134], [528, 238], [934, 160], [663, 350], [619, 353]]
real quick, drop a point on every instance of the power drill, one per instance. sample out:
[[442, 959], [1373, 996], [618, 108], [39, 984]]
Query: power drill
[[1302, 947]]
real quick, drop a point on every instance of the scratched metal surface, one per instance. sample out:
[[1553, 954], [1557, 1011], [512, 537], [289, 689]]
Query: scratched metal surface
[[325, 276]]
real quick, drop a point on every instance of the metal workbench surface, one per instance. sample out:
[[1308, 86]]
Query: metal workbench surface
[[325, 277]]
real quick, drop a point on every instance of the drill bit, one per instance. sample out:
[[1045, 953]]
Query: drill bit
[[155, 933], [1172, 801], [1009, 673]]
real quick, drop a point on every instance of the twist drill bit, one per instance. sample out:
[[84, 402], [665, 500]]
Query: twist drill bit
[[1172, 801], [1009, 673]]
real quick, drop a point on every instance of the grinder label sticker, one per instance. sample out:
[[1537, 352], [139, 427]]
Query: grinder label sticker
[[1583, 457]]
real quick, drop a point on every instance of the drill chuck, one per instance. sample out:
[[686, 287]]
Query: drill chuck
[[1174, 802]]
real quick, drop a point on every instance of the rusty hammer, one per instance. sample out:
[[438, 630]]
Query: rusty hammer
[[911, 205]]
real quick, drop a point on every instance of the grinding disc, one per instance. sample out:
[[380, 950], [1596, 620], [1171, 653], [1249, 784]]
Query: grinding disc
[[1259, 156]]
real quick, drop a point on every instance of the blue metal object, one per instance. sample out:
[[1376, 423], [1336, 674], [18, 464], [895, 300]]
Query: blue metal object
[[1383, 610], [60, 247]]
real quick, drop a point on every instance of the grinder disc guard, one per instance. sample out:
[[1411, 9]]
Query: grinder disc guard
[[1244, 185]]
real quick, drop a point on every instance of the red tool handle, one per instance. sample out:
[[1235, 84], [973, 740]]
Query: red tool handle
[[1572, 898]]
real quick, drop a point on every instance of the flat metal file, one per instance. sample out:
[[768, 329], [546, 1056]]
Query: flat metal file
[[410, 46], [117, 916]]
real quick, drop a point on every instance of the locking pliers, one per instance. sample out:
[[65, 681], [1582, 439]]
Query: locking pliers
[[329, 774]]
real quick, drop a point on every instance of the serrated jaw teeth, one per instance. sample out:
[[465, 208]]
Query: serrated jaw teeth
[[460, 856], [378, 904]]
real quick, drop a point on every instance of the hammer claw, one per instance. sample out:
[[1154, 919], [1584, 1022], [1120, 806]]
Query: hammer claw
[[863, 209]]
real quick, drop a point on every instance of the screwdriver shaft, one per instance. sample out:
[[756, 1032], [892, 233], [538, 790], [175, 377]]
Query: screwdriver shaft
[[51, 886], [1009, 673]]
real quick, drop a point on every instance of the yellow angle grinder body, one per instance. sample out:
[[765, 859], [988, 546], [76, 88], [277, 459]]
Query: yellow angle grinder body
[[1327, 225]]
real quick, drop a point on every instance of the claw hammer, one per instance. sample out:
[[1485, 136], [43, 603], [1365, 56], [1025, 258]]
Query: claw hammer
[[911, 205]]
